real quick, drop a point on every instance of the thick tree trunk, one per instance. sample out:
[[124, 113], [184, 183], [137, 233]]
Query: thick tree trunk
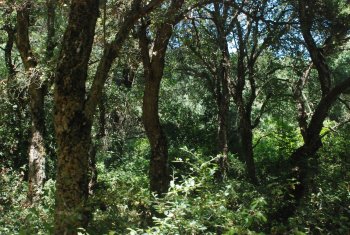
[[159, 170], [73, 139], [75, 109], [72, 125]]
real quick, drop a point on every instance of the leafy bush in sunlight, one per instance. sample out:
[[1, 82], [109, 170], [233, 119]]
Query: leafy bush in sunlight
[[197, 204]]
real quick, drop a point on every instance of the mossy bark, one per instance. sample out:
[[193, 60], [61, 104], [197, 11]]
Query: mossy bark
[[72, 126], [36, 152]]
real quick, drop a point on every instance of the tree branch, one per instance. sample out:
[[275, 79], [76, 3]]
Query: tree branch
[[111, 52]]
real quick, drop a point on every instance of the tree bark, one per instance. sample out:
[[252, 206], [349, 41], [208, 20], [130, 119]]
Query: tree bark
[[72, 126], [246, 136], [159, 170], [159, 175], [223, 114], [222, 92], [244, 112], [300, 159], [302, 170], [51, 29], [36, 167], [73, 113], [153, 73]]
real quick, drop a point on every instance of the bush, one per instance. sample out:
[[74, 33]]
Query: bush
[[17, 216]]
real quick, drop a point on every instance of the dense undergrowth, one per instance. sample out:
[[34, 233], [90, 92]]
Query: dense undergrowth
[[196, 202]]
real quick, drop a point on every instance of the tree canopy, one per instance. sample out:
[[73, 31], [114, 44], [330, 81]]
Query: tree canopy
[[175, 117]]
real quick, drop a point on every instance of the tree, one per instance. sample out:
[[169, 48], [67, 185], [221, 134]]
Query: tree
[[251, 42], [304, 155], [213, 26], [234, 74], [153, 63], [37, 90], [74, 112]]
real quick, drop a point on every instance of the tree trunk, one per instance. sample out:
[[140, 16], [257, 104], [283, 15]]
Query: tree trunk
[[222, 92], [245, 126], [75, 109], [245, 106], [37, 152], [302, 171], [51, 29], [159, 174], [223, 102], [15, 97], [223, 114], [246, 152], [159, 170], [72, 125], [36, 167], [153, 73], [222, 139], [73, 139]]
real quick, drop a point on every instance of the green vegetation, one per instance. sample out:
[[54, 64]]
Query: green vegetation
[[174, 117]]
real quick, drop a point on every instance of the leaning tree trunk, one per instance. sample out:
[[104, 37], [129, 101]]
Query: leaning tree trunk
[[36, 167], [72, 126], [302, 170]]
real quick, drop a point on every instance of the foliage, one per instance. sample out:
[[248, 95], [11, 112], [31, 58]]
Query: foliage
[[197, 202], [17, 216]]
